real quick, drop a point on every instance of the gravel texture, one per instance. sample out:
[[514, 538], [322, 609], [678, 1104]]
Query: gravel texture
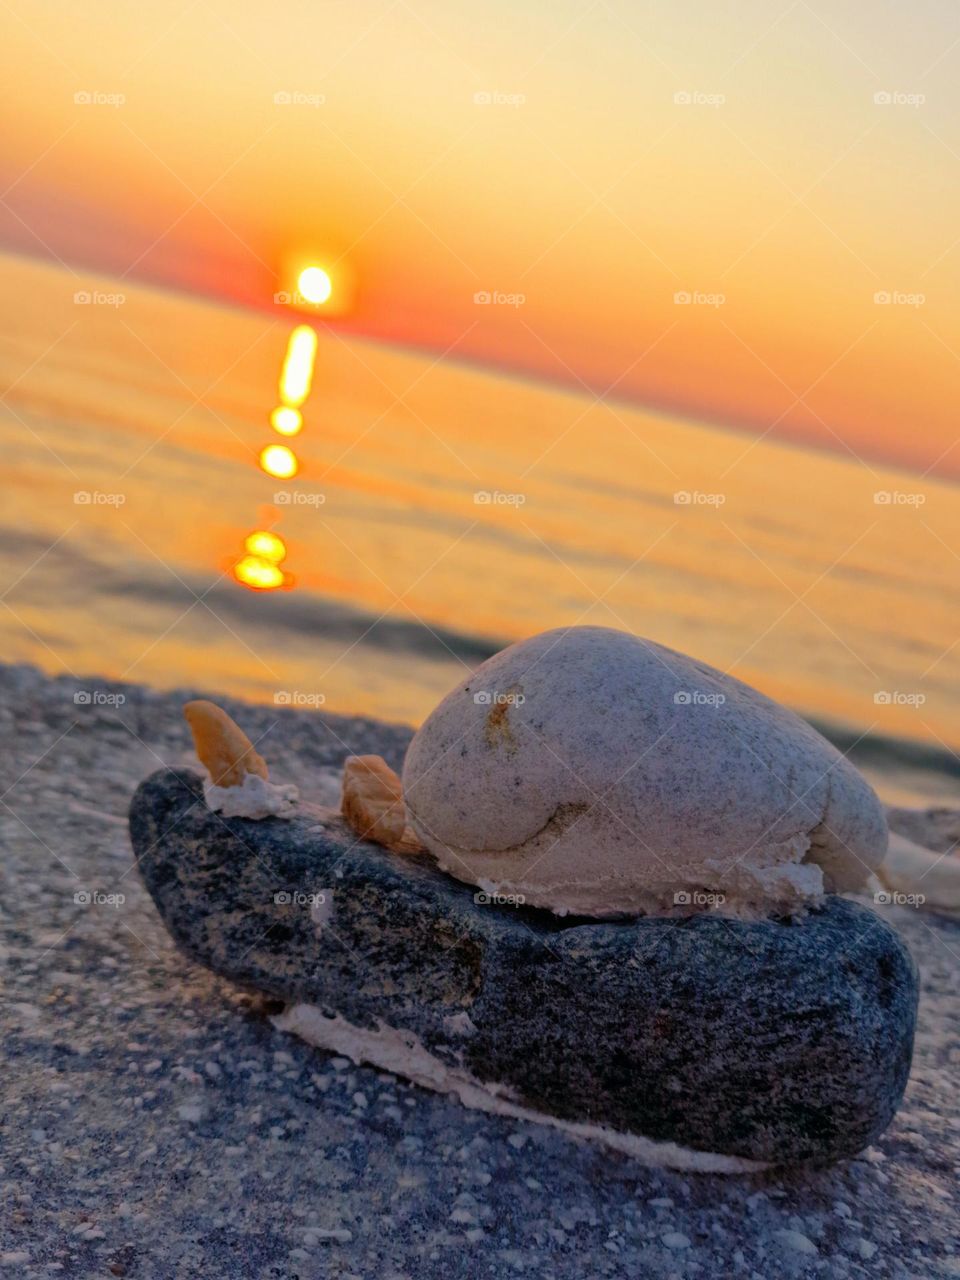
[[156, 1125]]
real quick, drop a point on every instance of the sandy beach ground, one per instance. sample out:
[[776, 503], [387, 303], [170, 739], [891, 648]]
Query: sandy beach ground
[[156, 1125]]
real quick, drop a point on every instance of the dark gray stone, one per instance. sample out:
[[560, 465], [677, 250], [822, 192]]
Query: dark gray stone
[[776, 1040]]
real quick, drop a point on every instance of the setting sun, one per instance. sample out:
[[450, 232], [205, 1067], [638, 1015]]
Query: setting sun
[[314, 285]]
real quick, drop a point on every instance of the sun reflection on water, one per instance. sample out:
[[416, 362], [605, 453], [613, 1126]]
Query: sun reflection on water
[[297, 373], [286, 420], [259, 574], [266, 545], [259, 568], [279, 461]]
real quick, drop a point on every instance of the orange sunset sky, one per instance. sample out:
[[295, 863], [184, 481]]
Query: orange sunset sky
[[794, 168]]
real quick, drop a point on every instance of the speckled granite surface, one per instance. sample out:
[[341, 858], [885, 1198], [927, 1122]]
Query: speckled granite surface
[[156, 1125]]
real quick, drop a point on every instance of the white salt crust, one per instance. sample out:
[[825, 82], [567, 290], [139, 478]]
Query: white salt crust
[[401, 1052], [254, 798]]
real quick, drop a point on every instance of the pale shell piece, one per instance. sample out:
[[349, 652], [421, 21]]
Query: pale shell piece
[[221, 745], [919, 873], [372, 800]]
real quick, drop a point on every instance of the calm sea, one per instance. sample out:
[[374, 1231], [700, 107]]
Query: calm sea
[[440, 512]]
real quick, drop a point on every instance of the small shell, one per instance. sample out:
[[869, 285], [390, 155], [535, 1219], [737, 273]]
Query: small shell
[[373, 799], [222, 746]]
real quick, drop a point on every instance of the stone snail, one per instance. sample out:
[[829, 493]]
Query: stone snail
[[591, 772]]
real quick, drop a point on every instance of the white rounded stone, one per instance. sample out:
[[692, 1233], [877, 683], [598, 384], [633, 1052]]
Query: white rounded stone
[[591, 771]]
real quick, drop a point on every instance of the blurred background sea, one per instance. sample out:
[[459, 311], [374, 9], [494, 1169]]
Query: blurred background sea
[[441, 511]]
